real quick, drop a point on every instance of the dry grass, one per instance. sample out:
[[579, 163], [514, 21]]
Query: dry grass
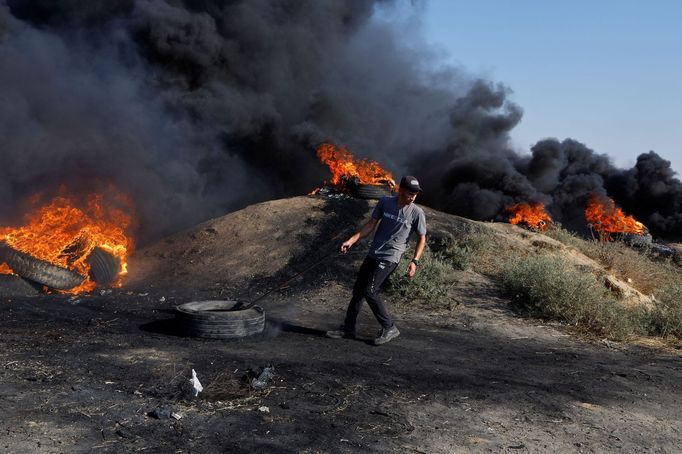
[[649, 275], [546, 285], [645, 271], [547, 280], [430, 285], [642, 270], [666, 317], [564, 236]]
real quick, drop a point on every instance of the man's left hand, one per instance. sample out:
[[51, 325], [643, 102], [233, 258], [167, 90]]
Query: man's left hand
[[411, 269]]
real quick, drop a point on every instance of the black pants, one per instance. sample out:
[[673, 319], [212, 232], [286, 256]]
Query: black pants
[[371, 276]]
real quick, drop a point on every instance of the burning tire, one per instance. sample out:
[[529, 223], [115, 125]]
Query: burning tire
[[13, 285], [220, 319], [643, 240], [371, 191], [37, 270], [104, 267]]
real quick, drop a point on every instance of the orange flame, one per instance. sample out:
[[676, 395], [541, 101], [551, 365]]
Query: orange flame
[[603, 217], [344, 168], [533, 215], [64, 232]]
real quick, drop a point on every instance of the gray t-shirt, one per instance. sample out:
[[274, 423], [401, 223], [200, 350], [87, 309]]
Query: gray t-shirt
[[395, 226]]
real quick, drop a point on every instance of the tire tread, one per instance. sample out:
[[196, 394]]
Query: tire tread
[[29, 267], [218, 319]]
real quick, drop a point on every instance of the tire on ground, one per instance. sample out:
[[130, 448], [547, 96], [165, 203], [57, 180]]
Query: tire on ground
[[104, 267], [29, 267], [219, 319], [12, 285], [371, 191]]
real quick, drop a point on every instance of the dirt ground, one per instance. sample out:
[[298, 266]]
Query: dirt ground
[[103, 372]]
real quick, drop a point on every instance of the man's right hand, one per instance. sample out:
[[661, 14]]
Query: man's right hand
[[345, 246]]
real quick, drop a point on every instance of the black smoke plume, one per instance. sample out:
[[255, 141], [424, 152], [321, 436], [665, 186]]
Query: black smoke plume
[[196, 108]]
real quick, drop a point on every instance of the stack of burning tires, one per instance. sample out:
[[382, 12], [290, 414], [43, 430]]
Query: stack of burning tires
[[104, 268], [368, 191]]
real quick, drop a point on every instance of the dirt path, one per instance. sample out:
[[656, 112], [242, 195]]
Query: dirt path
[[82, 374]]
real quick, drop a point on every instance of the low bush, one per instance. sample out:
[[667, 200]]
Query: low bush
[[665, 319], [547, 286], [451, 250], [431, 283], [647, 271], [444, 254], [464, 246]]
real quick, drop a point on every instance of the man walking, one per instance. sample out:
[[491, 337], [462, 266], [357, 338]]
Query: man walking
[[397, 218]]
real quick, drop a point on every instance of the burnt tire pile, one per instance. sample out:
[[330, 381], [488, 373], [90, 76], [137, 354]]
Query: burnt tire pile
[[219, 319], [40, 271], [104, 268], [12, 285]]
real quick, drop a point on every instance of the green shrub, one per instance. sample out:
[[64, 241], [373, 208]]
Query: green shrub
[[444, 254], [647, 269], [452, 251], [462, 245], [466, 245], [665, 319], [547, 286], [458, 256], [430, 284]]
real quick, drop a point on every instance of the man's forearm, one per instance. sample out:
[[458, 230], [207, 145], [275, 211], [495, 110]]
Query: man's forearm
[[365, 230], [357, 236], [419, 249]]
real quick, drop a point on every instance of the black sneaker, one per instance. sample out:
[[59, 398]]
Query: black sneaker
[[341, 333], [385, 335]]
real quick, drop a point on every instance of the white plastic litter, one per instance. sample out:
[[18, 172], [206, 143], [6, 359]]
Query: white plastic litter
[[196, 385]]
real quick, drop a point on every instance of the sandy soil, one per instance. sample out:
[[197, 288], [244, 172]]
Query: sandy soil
[[86, 373]]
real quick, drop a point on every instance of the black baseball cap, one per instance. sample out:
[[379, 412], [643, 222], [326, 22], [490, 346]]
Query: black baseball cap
[[410, 183]]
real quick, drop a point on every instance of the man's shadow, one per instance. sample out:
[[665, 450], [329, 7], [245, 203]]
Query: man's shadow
[[273, 327], [298, 329]]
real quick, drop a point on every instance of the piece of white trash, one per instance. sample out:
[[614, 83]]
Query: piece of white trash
[[196, 386]]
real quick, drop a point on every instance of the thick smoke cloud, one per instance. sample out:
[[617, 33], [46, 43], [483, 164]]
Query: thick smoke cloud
[[475, 169], [197, 108], [651, 190]]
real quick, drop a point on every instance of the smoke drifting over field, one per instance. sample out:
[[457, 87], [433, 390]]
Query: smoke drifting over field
[[200, 107]]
